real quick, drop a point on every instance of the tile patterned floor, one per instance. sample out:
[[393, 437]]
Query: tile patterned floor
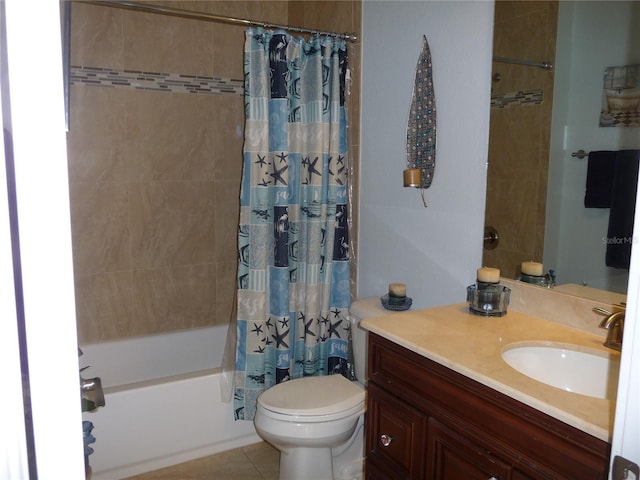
[[253, 462]]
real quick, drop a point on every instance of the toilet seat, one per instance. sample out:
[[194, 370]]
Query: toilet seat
[[309, 399]]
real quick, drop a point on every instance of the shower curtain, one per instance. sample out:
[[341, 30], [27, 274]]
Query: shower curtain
[[293, 272]]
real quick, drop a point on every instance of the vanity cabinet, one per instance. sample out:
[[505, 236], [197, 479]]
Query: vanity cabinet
[[426, 421]]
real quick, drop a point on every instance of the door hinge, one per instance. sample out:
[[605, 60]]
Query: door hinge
[[624, 469]]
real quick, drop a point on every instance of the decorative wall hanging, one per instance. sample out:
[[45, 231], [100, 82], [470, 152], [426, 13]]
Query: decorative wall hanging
[[421, 126], [621, 97]]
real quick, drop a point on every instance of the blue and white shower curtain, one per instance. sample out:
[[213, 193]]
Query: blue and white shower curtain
[[293, 273]]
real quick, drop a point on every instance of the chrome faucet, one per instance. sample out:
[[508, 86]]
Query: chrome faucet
[[91, 392], [614, 324]]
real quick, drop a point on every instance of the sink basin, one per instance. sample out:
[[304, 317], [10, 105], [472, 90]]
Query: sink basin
[[570, 367]]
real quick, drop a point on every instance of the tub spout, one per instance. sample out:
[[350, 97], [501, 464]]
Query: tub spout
[[91, 390]]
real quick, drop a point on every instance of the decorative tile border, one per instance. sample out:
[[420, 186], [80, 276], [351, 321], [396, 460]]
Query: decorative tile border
[[159, 82], [516, 99]]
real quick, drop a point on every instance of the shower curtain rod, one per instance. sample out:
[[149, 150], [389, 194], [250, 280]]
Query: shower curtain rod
[[176, 12], [528, 63]]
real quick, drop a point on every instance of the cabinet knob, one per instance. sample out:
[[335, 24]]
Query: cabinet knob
[[386, 440]]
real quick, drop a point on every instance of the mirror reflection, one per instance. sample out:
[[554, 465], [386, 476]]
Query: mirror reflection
[[539, 118]]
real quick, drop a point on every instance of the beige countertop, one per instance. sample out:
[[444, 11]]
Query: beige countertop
[[472, 345]]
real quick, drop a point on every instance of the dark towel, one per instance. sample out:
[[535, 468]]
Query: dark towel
[[599, 179], [623, 207]]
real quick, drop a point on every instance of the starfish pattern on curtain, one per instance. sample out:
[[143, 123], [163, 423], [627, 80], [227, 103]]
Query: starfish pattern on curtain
[[293, 240]]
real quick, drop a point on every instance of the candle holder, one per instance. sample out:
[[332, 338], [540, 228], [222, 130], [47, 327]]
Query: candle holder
[[488, 299], [486, 285], [394, 300], [394, 305], [533, 279], [412, 177]]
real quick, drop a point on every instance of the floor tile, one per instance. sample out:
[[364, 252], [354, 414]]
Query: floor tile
[[259, 461]]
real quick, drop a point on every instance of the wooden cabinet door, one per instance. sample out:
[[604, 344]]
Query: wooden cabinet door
[[394, 437], [452, 456]]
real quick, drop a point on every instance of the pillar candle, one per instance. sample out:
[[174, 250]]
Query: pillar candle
[[397, 290], [532, 268], [488, 275]]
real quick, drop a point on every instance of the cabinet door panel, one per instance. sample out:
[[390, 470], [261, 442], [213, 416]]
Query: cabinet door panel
[[395, 435], [451, 456]]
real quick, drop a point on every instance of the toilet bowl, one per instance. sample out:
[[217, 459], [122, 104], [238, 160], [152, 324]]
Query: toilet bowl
[[305, 419], [317, 423]]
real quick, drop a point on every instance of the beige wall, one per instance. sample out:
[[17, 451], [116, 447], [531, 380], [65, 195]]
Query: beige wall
[[155, 176], [519, 134]]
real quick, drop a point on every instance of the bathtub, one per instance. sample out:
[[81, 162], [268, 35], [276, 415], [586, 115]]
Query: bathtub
[[163, 402]]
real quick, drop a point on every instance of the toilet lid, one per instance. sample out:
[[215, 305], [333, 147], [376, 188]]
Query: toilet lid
[[312, 396]]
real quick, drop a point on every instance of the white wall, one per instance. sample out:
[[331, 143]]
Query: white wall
[[591, 36], [434, 250], [44, 303]]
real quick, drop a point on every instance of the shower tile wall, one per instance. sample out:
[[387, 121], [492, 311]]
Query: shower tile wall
[[155, 176], [519, 132]]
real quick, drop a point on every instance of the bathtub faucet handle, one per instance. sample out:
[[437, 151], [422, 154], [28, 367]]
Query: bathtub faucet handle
[[91, 390]]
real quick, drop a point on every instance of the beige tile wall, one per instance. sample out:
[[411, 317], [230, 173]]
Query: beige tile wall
[[519, 135], [155, 176]]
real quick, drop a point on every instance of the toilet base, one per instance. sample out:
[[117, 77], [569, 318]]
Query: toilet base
[[307, 463], [345, 462], [348, 459]]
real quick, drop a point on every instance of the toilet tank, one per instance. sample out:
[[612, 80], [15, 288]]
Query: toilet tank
[[362, 308]]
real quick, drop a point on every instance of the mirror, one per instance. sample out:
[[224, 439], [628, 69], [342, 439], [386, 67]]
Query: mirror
[[535, 187]]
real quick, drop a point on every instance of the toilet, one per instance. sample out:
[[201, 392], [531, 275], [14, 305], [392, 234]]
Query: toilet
[[317, 423]]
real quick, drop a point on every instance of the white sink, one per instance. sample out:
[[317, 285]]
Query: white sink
[[570, 367]]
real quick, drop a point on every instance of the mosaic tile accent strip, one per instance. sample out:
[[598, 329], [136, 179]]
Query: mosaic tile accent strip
[[517, 99], [155, 81]]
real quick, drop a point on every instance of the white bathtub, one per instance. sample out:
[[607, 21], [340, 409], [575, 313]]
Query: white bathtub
[[163, 402]]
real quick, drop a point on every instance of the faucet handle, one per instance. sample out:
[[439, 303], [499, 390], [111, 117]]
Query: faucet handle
[[91, 390], [605, 313], [601, 311]]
